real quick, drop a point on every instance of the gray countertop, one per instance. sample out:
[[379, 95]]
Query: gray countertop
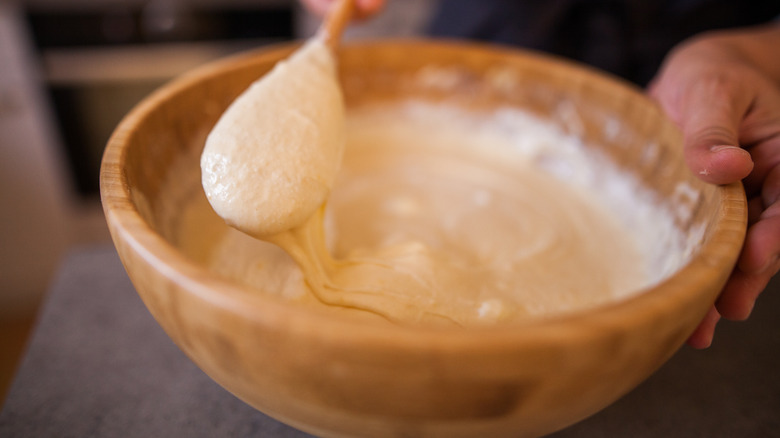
[[98, 365]]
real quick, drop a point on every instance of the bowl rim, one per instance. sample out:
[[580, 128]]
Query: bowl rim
[[707, 269]]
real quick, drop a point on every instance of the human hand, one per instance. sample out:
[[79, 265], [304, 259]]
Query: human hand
[[723, 91], [364, 8]]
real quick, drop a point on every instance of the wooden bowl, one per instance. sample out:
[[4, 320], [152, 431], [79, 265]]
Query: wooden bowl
[[332, 376]]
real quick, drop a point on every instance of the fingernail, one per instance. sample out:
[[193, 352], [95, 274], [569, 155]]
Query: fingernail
[[769, 196], [719, 148], [771, 265], [722, 148], [729, 149]]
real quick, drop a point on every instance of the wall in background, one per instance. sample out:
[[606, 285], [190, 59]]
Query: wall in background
[[33, 186]]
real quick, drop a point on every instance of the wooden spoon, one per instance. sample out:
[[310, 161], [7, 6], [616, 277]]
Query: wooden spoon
[[336, 20], [302, 90]]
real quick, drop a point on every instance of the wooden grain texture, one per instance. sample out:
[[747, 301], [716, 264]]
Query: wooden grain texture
[[338, 377]]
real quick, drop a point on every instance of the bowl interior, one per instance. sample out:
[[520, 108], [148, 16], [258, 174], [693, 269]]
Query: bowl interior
[[613, 119]]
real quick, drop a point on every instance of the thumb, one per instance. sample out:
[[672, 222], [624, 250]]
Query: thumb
[[710, 114]]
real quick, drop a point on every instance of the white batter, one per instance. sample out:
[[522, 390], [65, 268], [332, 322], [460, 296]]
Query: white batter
[[272, 157], [436, 217]]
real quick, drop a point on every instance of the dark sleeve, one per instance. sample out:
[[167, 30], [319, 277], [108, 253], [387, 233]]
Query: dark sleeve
[[628, 38]]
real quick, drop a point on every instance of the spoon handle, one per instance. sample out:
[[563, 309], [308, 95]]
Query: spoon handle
[[337, 19]]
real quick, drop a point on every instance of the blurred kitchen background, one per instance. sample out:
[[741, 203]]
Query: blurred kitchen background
[[69, 71]]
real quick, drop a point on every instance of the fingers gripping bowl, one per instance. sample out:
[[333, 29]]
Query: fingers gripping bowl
[[338, 376]]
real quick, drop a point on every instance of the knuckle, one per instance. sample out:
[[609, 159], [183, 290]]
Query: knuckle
[[712, 135]]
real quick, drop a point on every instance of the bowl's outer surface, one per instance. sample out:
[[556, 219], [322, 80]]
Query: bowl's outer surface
[[335, 377]]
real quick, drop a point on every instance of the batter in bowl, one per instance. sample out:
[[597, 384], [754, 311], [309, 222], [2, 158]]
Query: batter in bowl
[[433, 215]]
